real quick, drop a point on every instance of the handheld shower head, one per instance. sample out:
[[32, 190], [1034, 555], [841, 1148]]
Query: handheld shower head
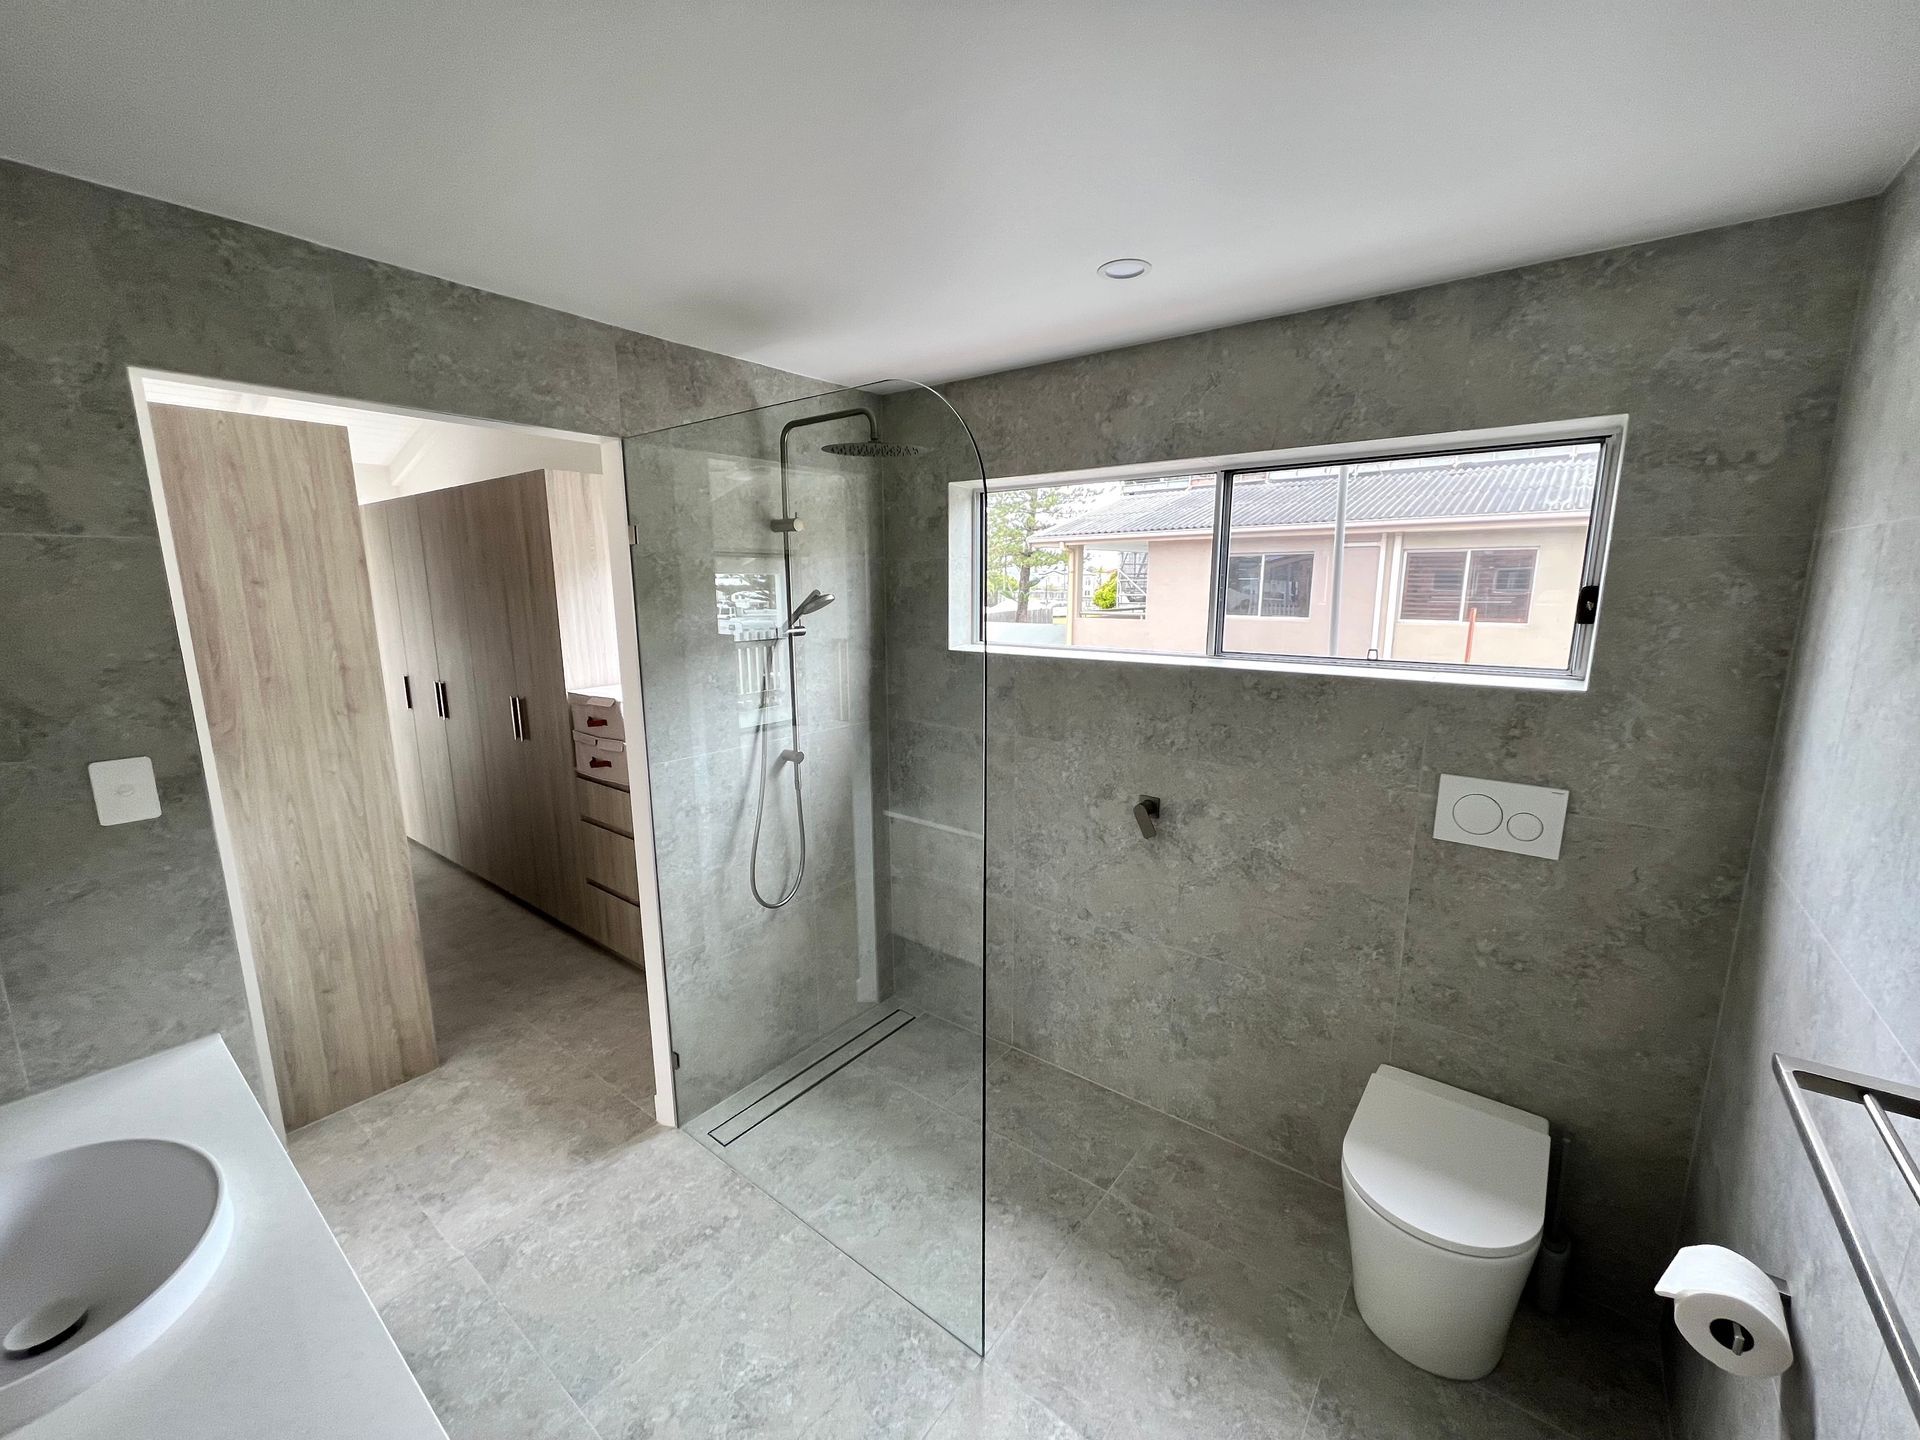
[[816, 600]]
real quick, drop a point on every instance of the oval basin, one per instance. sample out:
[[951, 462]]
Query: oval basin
[[102, 1247]]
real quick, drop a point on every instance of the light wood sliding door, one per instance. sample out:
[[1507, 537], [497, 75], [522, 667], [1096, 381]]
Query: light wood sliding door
[[276, 591]]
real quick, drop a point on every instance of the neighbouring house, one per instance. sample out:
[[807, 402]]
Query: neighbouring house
[[1477, 557]]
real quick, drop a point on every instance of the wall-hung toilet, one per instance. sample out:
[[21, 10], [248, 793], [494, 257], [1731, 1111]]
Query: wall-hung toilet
[[1446, 1198]]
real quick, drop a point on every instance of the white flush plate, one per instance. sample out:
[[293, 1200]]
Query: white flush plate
[[1526, 819], [123, 790]]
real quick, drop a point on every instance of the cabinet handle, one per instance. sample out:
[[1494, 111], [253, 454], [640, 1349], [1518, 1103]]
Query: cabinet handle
[[440, 698], [406, 684], [517, 708]]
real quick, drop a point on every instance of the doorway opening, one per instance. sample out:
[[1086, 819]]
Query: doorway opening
[[411, 651]]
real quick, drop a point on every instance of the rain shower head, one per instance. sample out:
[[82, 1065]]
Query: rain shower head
[[817, 600], [874, 449]]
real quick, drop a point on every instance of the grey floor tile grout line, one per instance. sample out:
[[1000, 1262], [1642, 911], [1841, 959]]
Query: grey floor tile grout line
[[541, 1360]]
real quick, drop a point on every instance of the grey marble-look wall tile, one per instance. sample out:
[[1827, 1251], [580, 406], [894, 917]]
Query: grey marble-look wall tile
[[939, 915], [409, 339], [70, 460], [115, 680], [1612, 957], [926, 680], [1627, 1166], [1871, 915], [937, 983], [13, 1073], [1273, 1065], [1801, 827], [1829, 904], [1693, 642], [740, 1008], [663, 384], [1877, 450], [1279, 871], [115, 943], [936, 772]]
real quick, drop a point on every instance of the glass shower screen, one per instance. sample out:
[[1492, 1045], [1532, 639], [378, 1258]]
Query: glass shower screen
[[815, 763]]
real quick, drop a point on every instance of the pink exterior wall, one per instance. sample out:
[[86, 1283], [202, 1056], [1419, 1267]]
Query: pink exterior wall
[[1179, 579]]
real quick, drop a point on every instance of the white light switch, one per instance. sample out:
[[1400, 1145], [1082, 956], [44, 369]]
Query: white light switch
[[123, 790], [1526, 819]]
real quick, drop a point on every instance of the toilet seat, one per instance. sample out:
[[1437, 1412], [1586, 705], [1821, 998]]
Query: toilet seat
[[1456, 1170]]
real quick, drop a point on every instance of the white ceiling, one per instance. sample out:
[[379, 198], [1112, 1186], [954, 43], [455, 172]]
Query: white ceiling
[[857, 188]]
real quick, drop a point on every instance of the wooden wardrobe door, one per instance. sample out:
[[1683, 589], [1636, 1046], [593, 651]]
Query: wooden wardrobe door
[[546, 748], [376, 529], [439, 823], [274, 584], [465, 620], [496, 576]]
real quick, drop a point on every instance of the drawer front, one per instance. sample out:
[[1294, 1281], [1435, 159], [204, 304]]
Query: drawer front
[[612, 922], [602, 760], [603, 722], [604, 805], [606, 859]]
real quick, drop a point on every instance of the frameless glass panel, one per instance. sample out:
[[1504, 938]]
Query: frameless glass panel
[[813, 755], [1464, 558]]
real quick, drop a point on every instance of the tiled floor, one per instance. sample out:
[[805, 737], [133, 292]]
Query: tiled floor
[[556, 1267]]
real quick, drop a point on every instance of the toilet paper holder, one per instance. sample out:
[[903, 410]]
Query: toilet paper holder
[[1880, 1099]]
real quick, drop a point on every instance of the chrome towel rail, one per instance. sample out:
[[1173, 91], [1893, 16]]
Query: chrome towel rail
[[1879, 1098]]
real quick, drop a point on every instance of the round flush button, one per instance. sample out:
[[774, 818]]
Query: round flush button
[[1525, 827], [1478, 814]]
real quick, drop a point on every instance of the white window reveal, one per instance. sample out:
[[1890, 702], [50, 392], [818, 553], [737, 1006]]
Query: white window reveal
[[1473, 558]]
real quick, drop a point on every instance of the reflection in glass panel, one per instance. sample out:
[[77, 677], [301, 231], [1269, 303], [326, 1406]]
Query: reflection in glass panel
[[818, 837]]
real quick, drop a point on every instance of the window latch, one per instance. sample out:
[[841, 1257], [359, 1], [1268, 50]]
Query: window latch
[[1587, 608]]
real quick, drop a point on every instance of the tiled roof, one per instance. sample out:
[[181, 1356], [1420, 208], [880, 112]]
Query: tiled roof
[[1445, 490]]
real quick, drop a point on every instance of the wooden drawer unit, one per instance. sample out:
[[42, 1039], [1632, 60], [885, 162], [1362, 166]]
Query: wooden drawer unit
[[606, 859], [605, 806], [613, 922]]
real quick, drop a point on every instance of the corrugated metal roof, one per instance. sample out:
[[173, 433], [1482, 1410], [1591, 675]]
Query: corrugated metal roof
[[1558, 484]]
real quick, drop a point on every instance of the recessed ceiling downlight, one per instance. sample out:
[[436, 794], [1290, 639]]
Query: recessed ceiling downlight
[[1126, 269]]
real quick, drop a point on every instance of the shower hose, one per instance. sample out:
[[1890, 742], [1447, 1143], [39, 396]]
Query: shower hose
[[793, 757]]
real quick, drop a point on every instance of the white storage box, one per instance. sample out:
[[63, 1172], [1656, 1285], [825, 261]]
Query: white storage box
[[596, 712], [602, 760]]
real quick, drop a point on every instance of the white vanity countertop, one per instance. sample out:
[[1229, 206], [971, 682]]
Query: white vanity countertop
[[283, 1343]]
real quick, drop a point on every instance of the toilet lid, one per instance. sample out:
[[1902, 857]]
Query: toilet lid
[[1454, 1169]]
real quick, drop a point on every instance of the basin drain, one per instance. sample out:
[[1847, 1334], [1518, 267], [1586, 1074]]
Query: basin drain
[[52, 1324]]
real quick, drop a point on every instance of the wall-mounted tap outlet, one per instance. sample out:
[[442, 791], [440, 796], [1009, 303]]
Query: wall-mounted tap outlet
[[1146, 814]]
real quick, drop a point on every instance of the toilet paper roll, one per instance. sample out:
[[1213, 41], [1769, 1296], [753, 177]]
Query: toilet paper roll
[[1729, 1310]]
